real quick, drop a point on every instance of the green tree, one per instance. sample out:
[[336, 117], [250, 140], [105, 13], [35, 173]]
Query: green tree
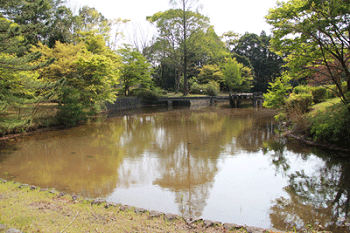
[[18, 81], [236, 76], [277, 92], [89, 20], [40, 20], [210, 73], [135, 70], [266, 64], [90, 78], [314, 33], [178, 25], [178, 47]]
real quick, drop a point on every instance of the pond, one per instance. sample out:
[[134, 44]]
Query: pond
[[227, 165]]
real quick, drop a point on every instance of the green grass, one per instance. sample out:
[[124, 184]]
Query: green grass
[[42, 211], [324, 105]]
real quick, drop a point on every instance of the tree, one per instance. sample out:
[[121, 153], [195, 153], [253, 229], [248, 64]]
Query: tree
[[87, 80], [314, 33], [90, 20], [177, 39], [40, 20], [266, 64], [236, 76], [210, 73], [135, 70], [17, 79], [188, 23]]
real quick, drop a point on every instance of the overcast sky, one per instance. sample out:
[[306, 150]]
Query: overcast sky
[[226, 15]]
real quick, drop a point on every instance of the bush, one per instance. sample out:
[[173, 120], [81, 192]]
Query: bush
[[332, 91], [301, 89], [299, 102], [147, 94], [319, 94], [212, 89], [332, 125], [197, 88]]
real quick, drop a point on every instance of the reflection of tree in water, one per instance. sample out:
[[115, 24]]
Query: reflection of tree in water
[[252, 139], [189, 146], [189, 177], [320, 200], [80, 160]]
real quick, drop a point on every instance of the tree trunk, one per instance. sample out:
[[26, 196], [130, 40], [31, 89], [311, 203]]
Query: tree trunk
[[185, 92]]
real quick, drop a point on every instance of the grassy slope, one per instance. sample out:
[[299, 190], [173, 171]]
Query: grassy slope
[[42, 211]]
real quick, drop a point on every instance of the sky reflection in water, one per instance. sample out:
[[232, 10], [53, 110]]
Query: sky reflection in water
[[220, 164]]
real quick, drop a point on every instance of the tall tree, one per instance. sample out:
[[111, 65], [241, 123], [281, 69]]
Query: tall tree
[[176, 44], [266, 64], [90, 20], [189, 23], [41, 20], [314, 33], [17, 79], [135, 70]]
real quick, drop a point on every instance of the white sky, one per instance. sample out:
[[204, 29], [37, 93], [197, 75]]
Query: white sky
[[226, 15]]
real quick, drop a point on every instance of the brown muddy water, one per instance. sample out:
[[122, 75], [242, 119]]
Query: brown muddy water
[[228, 165]]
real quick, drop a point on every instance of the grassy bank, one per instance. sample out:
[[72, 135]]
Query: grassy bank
[[30, 209], [27, 117]]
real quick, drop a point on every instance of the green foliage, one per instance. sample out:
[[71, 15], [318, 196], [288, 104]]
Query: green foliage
[[315, 35], [71, 109], [212, 88], [135, 70], [93, 75], [181, 32], [236, 76], [147, 94], [277, 93], [40, 20], [19, 82], [210, 73], [300, 103], [266, 64], [331, 125], [319, 94]]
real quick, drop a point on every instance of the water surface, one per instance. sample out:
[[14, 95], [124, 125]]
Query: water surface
[[228, 165]]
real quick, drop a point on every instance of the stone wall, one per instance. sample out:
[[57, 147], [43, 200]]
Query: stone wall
[[125, 104]]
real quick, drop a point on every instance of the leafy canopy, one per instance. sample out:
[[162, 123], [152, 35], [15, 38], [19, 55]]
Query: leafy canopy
[[314, 33]]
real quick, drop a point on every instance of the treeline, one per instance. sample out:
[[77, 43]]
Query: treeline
[[48, 54]]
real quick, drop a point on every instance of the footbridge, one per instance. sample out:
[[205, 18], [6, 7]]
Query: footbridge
[[235, 100]]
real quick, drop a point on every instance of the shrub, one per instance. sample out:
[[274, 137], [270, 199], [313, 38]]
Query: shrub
[[319, 94], [197, 88], [301, 89], [332, 90], [331, 125], [212, 88], [277, 92], [299, 102], [147, 94]]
